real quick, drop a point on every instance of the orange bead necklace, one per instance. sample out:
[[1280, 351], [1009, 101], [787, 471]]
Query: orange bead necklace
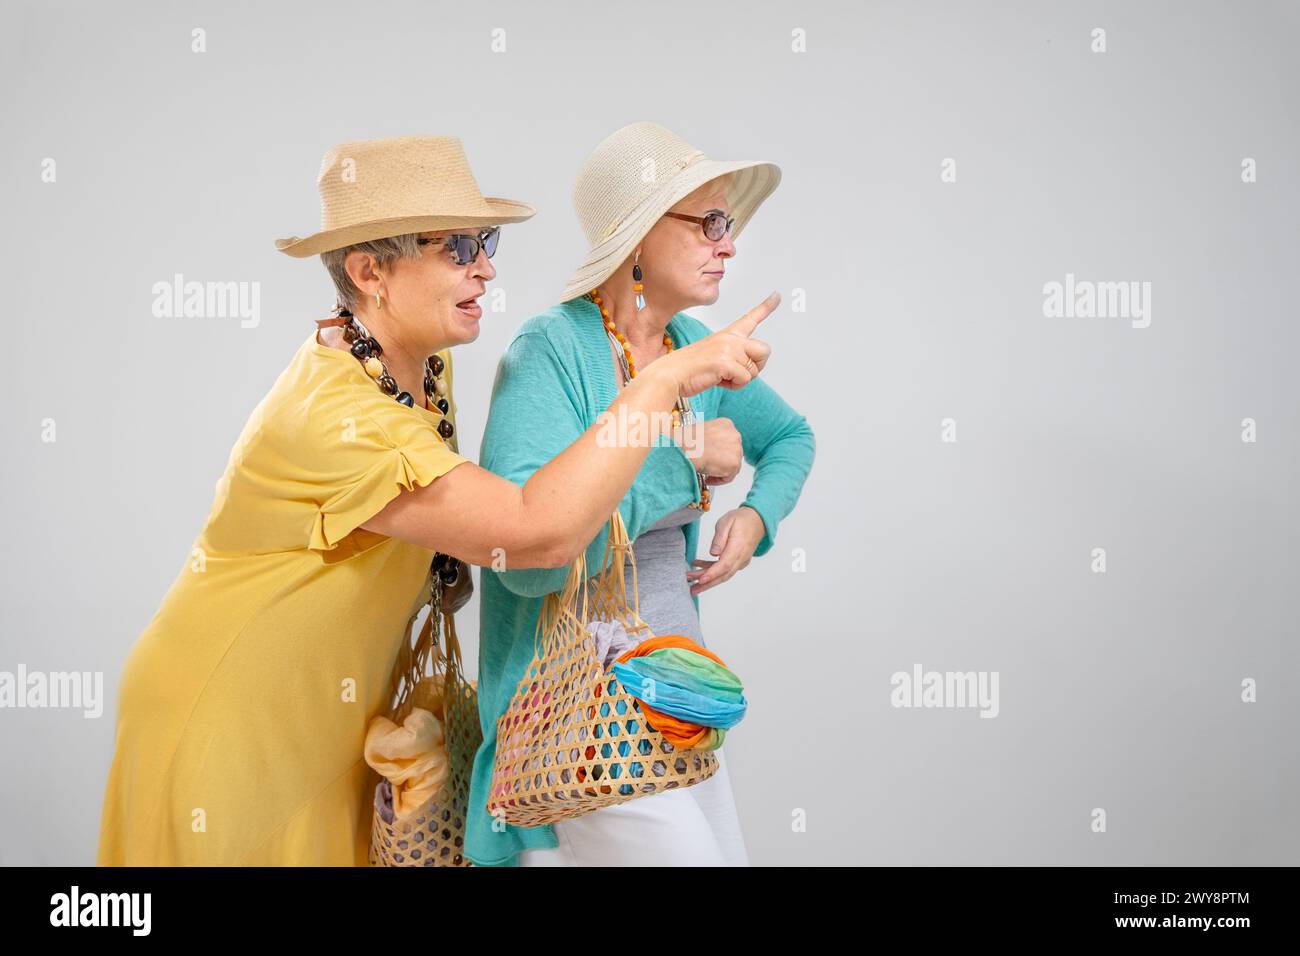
[[681, 411]]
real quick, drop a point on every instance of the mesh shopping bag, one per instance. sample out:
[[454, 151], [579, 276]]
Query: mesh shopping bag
[[572, 739], [426, 676]]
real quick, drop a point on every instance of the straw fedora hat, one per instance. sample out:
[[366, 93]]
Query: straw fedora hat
[[376, 188], [635, 176]]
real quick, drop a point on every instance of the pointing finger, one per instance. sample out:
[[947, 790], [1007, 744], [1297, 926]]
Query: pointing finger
[[747, 323]]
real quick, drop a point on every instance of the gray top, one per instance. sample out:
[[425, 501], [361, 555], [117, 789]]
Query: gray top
[[661, 568]]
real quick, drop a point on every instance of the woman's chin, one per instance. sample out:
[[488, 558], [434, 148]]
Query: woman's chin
[[462, 328], [467, 320], [709, 292], [469, 331]]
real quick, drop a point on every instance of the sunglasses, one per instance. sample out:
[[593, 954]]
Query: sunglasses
[[715, 223], [466, 248]]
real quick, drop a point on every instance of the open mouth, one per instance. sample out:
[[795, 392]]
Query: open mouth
[[471, 308]]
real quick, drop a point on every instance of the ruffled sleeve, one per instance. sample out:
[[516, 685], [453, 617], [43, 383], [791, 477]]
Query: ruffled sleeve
[[380, 450]]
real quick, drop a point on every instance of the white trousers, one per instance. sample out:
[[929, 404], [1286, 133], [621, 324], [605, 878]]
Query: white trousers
[[694, 826]]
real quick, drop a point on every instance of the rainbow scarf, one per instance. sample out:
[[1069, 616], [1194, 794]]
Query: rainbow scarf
[[685, 690]]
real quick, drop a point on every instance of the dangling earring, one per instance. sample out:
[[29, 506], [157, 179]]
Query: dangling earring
[[637, 287], [379, 303]]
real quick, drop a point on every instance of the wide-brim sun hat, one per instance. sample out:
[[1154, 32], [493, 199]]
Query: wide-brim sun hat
[[635, 176], [377, 188]]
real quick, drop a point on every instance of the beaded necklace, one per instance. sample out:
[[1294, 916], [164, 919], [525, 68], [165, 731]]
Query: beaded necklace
[[682, 414], [365, 348], [444, 570]]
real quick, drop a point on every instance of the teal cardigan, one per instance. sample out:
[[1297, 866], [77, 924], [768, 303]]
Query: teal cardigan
[[556, 377]]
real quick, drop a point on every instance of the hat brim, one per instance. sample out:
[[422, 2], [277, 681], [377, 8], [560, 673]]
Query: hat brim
[[752, 183], [502, 212]]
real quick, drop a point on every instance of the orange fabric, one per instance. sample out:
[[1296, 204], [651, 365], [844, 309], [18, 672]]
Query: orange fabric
[[679, 733], [668, 640]]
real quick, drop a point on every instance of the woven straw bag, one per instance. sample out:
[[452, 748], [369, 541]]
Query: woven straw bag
[[435, 834], [572, 739]]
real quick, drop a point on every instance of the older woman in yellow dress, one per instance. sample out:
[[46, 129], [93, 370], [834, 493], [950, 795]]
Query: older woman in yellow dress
[[243, 707]]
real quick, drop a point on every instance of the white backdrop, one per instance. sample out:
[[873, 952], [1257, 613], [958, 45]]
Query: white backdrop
[[943, 163]]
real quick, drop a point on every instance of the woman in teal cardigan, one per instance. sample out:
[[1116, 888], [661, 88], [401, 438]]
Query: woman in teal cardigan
[[659, 246]]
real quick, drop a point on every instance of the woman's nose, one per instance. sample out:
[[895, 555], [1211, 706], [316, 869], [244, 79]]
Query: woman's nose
[[725, 248], [482, 267]]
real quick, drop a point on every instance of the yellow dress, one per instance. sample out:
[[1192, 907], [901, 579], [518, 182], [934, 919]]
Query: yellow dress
[[243, 707]]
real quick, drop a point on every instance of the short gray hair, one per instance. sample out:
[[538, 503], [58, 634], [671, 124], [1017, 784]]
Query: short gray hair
[[384, 251]]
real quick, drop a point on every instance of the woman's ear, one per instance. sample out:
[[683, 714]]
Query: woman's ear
[[360, 267]]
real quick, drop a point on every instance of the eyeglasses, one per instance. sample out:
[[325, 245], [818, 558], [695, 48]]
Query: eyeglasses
[[715, 222], [466, 247]]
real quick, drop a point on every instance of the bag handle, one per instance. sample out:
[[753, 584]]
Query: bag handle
[[612, 589], [424, 657], [578, 601]]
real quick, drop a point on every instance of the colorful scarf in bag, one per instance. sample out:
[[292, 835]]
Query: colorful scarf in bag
[[685, 691]]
